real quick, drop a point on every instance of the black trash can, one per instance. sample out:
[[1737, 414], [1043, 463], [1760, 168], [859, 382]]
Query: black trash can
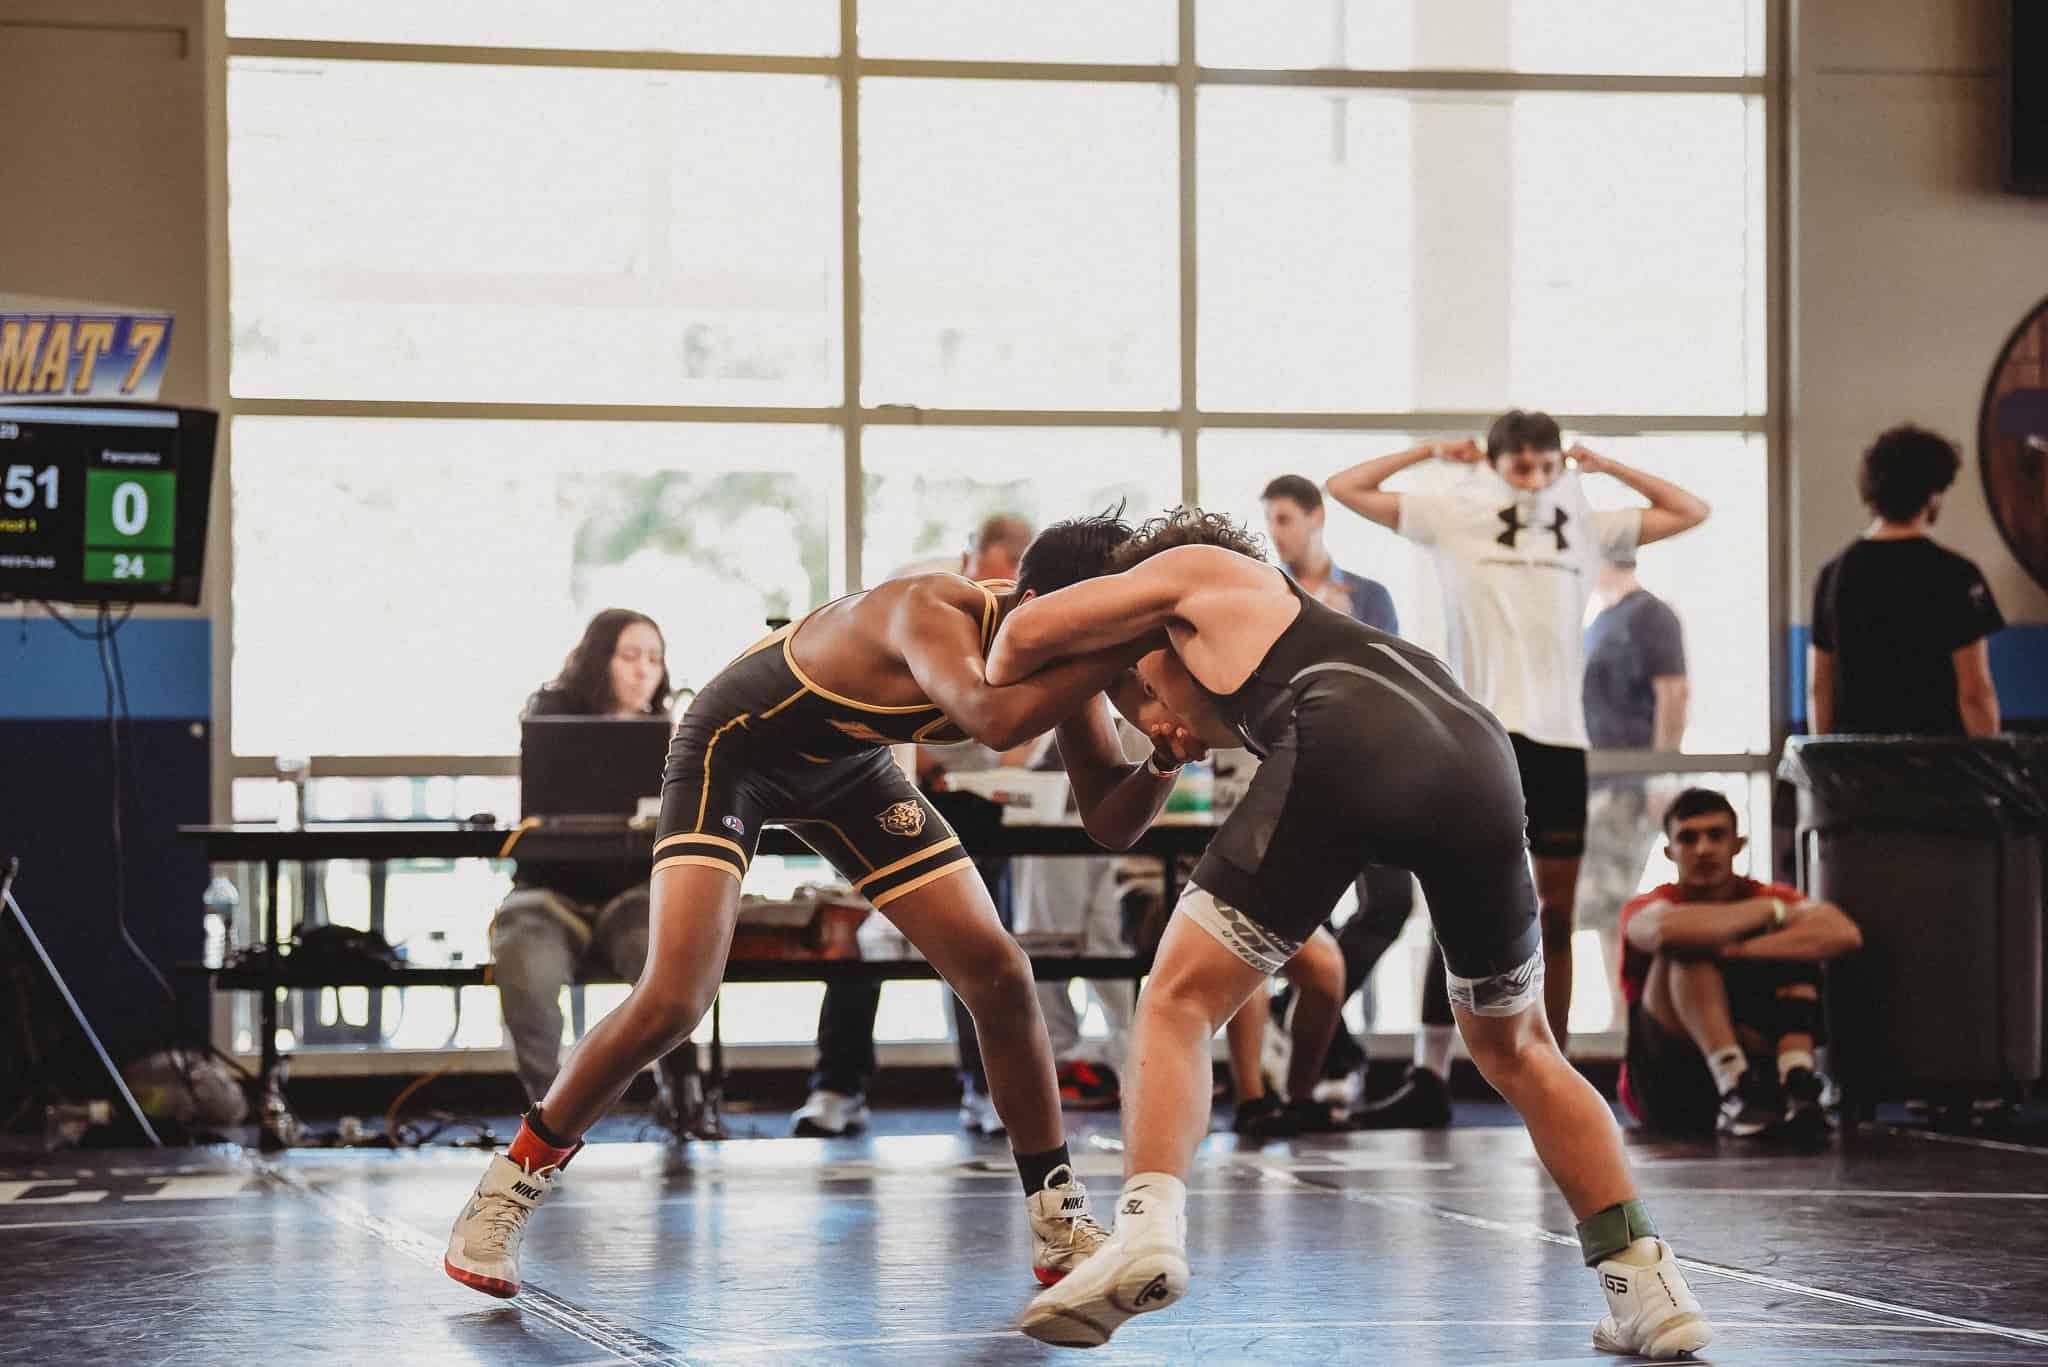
[[1935, 848]]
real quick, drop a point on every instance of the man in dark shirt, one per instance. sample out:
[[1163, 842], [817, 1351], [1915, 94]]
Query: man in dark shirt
[[1635, 695], [1899, 623], [1294, 523]]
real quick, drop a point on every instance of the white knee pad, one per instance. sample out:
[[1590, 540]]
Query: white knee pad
[[1504, 994], [1236, 932]]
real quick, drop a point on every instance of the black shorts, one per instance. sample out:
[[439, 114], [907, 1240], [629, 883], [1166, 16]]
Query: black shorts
[[860, 811], [1669, 1083], [1554, 785], [1381, 763]]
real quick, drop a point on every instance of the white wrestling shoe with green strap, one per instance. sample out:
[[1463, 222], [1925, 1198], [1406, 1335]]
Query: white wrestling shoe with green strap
[[1651, 1312]]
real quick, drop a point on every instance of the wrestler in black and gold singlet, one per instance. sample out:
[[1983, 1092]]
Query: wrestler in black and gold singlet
[[762, 742]]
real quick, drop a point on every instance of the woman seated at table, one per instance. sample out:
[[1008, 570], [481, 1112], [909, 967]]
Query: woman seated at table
[[563, 921]]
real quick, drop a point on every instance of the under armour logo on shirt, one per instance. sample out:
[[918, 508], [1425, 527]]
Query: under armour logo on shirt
[[1511, 517]]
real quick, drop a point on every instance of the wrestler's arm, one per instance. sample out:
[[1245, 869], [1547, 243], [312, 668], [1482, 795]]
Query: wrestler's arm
[[1093, 615], [940, 643], [1118, 799]]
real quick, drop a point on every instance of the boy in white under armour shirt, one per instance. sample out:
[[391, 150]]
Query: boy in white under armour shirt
[[1518, 550]]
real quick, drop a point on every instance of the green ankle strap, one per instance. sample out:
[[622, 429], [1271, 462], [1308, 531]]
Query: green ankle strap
[[1606, 1233]]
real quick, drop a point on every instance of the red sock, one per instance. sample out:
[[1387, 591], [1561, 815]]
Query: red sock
[[532, 1152]]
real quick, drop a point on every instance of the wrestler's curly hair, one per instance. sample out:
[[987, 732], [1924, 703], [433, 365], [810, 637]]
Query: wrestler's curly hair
[[1185, 526]]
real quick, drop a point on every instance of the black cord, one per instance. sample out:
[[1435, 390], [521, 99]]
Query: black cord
[[117, 688]]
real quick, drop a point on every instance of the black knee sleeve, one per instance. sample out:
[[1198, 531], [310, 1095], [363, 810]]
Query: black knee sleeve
[[1797, 1015]]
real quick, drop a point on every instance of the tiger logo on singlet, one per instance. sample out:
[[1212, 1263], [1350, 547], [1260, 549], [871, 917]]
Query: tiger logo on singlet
[[903, 818]]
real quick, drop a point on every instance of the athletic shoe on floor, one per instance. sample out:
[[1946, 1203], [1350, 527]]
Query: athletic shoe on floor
[[1264, 1117], [681, 1110], [1314, 1117], [1346, 1093], [1805, 1118], [829, 1115], [1064, 1231], [483, 1247], [1119, 1281], [1750, 1107], [978, 1113], [1421, 1102], [1088, 1086], [1651, 1312]]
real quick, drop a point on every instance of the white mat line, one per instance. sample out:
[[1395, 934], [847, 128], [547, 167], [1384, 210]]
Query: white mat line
[[1239, 1326], [624, 1344], [236, 1216], [1869, 1303], [1967, 1140]]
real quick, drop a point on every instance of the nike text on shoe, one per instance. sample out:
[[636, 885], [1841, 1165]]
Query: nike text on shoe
[[1063, 1227], [1116, 1283], [483, 1247], [1651, 1312]]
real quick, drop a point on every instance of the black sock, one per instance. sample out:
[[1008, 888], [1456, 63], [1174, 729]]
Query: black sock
[[542, 1132], [1035, 1168]]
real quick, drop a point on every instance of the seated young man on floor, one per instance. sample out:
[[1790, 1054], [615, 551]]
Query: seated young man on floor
[[1720, 973]]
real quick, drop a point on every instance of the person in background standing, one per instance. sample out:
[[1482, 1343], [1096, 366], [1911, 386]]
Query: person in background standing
[[1636, 696], [1899, 623]]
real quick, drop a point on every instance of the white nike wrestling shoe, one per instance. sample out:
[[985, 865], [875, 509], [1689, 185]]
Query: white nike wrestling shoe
[[1063, 1227], [483, 1248], [1651, 1312]]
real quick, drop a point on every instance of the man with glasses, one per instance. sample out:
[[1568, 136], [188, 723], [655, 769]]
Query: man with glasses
[[1721, 972]]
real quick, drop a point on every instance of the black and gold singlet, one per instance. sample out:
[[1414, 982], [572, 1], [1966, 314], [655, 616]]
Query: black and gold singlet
[[763, 742]]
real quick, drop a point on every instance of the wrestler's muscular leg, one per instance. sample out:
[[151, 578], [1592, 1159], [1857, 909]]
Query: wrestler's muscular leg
[[1575, 1135], [953, 924]]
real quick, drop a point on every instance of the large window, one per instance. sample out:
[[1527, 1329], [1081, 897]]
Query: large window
[[539, 309]]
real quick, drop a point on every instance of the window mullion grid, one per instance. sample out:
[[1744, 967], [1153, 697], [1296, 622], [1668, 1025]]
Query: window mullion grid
[[1187, 77]]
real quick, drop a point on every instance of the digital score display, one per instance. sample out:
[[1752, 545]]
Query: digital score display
[[103, 503]]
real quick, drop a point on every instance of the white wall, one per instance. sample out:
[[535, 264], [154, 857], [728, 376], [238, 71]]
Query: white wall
[[103, 163], [1910, 265]]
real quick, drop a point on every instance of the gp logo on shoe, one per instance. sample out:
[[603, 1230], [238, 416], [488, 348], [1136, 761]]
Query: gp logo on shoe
[[1155, 1290], [1134, 1207], [903, 818], [1618, 1285]]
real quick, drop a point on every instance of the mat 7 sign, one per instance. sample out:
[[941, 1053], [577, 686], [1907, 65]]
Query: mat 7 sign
[[83, 355]]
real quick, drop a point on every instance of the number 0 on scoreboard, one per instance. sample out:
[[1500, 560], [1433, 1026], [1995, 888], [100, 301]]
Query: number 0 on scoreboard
[[130, 525]]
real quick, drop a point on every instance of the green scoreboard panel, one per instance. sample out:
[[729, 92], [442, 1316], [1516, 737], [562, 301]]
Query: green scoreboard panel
[[130, 526]]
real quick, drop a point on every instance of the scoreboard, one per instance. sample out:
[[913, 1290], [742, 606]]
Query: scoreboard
[[104, 503]]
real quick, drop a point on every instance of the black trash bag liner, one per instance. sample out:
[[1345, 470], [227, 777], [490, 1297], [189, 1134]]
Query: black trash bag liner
[[1944, 784]]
